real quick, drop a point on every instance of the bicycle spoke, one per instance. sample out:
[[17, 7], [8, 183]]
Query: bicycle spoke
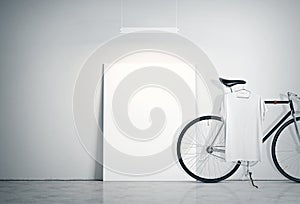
[[223, 159], [282, 151]]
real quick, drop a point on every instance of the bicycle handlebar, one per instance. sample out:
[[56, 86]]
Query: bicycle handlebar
[[290, 94]]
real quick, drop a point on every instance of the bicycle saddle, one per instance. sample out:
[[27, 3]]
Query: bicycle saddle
[[231, 83]]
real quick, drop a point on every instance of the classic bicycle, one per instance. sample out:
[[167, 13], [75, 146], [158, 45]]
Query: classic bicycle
[[201, 144]]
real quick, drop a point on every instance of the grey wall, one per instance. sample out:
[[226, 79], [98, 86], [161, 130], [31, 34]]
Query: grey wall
[[44, 43]]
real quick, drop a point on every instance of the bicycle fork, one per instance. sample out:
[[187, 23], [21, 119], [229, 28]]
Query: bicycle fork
[[294, 114], [296, 127], [211, 148]]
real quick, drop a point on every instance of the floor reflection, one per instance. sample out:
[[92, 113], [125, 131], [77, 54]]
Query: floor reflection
[[148, 192]]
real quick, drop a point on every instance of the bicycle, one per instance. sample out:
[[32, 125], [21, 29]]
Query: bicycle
[[201, 144]]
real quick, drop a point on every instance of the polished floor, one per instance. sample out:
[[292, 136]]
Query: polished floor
[[148, 192]]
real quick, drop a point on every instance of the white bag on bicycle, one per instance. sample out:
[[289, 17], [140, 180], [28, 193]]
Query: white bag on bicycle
[[243, 125]]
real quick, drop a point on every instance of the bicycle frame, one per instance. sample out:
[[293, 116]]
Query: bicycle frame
[[280, 122], [291, 112]]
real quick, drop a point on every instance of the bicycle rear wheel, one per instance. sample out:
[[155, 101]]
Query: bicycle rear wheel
[[201, 150], [286, 150]]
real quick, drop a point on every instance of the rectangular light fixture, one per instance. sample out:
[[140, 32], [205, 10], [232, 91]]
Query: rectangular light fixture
[[149, 29]]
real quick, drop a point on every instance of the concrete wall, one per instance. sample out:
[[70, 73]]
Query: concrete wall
[[43, 45]]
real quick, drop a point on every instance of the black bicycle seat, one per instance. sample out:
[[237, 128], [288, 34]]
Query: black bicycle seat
[[230, 83]]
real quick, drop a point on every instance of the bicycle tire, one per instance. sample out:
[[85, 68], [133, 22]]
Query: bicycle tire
[[278, 161], [226, 174]]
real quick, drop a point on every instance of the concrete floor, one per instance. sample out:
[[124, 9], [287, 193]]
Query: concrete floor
[[148, 192]]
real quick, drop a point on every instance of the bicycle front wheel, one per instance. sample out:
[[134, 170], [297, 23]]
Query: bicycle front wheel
[[286, 150], [201, 150]]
